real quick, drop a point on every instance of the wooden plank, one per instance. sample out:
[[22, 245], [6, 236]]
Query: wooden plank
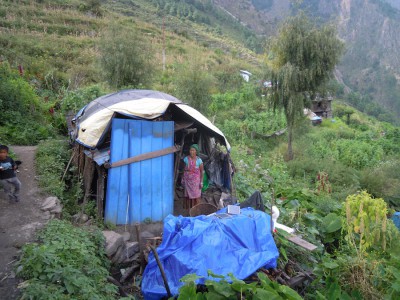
[[181, 125], [100, 191], [88, 174], [302, 243], [145, 156]]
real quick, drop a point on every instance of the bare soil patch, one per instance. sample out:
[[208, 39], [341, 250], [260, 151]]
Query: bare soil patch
[[19, 221]]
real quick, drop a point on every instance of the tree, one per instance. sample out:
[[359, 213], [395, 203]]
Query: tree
[[18, 100], [194, 84], [301, 58], [126, 58]]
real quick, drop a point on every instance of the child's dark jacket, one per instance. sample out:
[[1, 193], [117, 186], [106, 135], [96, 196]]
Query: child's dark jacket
[[8, 165]]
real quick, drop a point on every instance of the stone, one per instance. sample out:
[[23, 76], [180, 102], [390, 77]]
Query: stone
[[146, 235], [133, 258], [120, 255], [49, 203], [132, 248], [75, 218], [83, 218], [113, 242], [57, 209], [129, 272], [126, 235], [46, 215], [49, 200]]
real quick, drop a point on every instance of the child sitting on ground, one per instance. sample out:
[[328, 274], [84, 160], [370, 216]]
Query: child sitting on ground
[[8, 179]]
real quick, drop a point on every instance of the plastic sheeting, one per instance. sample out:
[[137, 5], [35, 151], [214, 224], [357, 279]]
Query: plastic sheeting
[[93, 120], [222, 243], [214, 167], [254, 201], [396, 219]]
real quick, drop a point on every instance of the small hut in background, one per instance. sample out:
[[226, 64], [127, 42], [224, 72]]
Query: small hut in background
[[322, 106]]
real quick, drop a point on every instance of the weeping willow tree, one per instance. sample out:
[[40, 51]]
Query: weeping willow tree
[[301, 58]]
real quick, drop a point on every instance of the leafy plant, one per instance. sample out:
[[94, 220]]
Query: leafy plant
[[232, 288], [55, 178], [366, 221], [69, 262]]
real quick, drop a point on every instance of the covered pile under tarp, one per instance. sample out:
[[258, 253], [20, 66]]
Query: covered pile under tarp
[[238, 244], [94, 120]]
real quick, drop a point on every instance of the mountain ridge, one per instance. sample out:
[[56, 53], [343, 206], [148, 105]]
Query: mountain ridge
[[370, 63]]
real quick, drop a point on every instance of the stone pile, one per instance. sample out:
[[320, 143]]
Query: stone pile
[[52, 208], [119, 249], [122, 253]]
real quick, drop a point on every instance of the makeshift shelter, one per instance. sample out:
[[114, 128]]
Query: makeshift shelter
[[129, 147]]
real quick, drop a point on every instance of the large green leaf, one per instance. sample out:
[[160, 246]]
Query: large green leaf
[[331, 223], [334, 291], [190, 277], [289, 293], [330, 265], [264, 294], [222, 288]]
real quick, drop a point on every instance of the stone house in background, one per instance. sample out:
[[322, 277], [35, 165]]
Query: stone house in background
[[322, 106]]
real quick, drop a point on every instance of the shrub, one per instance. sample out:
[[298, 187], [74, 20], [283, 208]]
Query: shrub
[[75, 100], [51, 159], [194, 85], [23, 120], [68, 263], [54, 178], [359, 154], [366, 221], [383, 181], [126, 58]]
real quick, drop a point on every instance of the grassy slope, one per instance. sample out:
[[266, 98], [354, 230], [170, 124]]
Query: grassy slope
[[57, 42]]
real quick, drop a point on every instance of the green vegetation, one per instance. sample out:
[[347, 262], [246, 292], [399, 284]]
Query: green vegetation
[[302, 58], [366, 263], [194, 85], [125, 58], [69, 263], [57, 176], [24, 120], [337, 192], [213, 18], [232, 288]]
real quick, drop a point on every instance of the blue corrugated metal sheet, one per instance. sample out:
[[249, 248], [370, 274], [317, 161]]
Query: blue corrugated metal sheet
[[396, 219], [143, 189]]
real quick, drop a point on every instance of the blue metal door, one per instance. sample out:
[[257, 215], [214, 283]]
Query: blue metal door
[[141, 190]]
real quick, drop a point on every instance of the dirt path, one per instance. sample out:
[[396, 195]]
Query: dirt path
[[18, 221]]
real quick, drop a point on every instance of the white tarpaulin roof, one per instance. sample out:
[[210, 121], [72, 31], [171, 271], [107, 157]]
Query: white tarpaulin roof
[[94, 120]]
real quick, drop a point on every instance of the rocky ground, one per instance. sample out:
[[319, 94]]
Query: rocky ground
[[19, 221]]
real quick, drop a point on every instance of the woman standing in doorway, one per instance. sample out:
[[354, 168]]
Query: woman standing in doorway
[[193, 177]]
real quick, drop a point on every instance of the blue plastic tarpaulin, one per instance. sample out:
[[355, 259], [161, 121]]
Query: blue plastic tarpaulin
[[222, 243], [396, 219]]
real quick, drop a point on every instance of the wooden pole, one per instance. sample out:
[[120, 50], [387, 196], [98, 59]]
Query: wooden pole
[[272, 204], [161, 270]]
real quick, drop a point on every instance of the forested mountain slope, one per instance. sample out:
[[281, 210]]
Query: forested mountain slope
[[370, 29]]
